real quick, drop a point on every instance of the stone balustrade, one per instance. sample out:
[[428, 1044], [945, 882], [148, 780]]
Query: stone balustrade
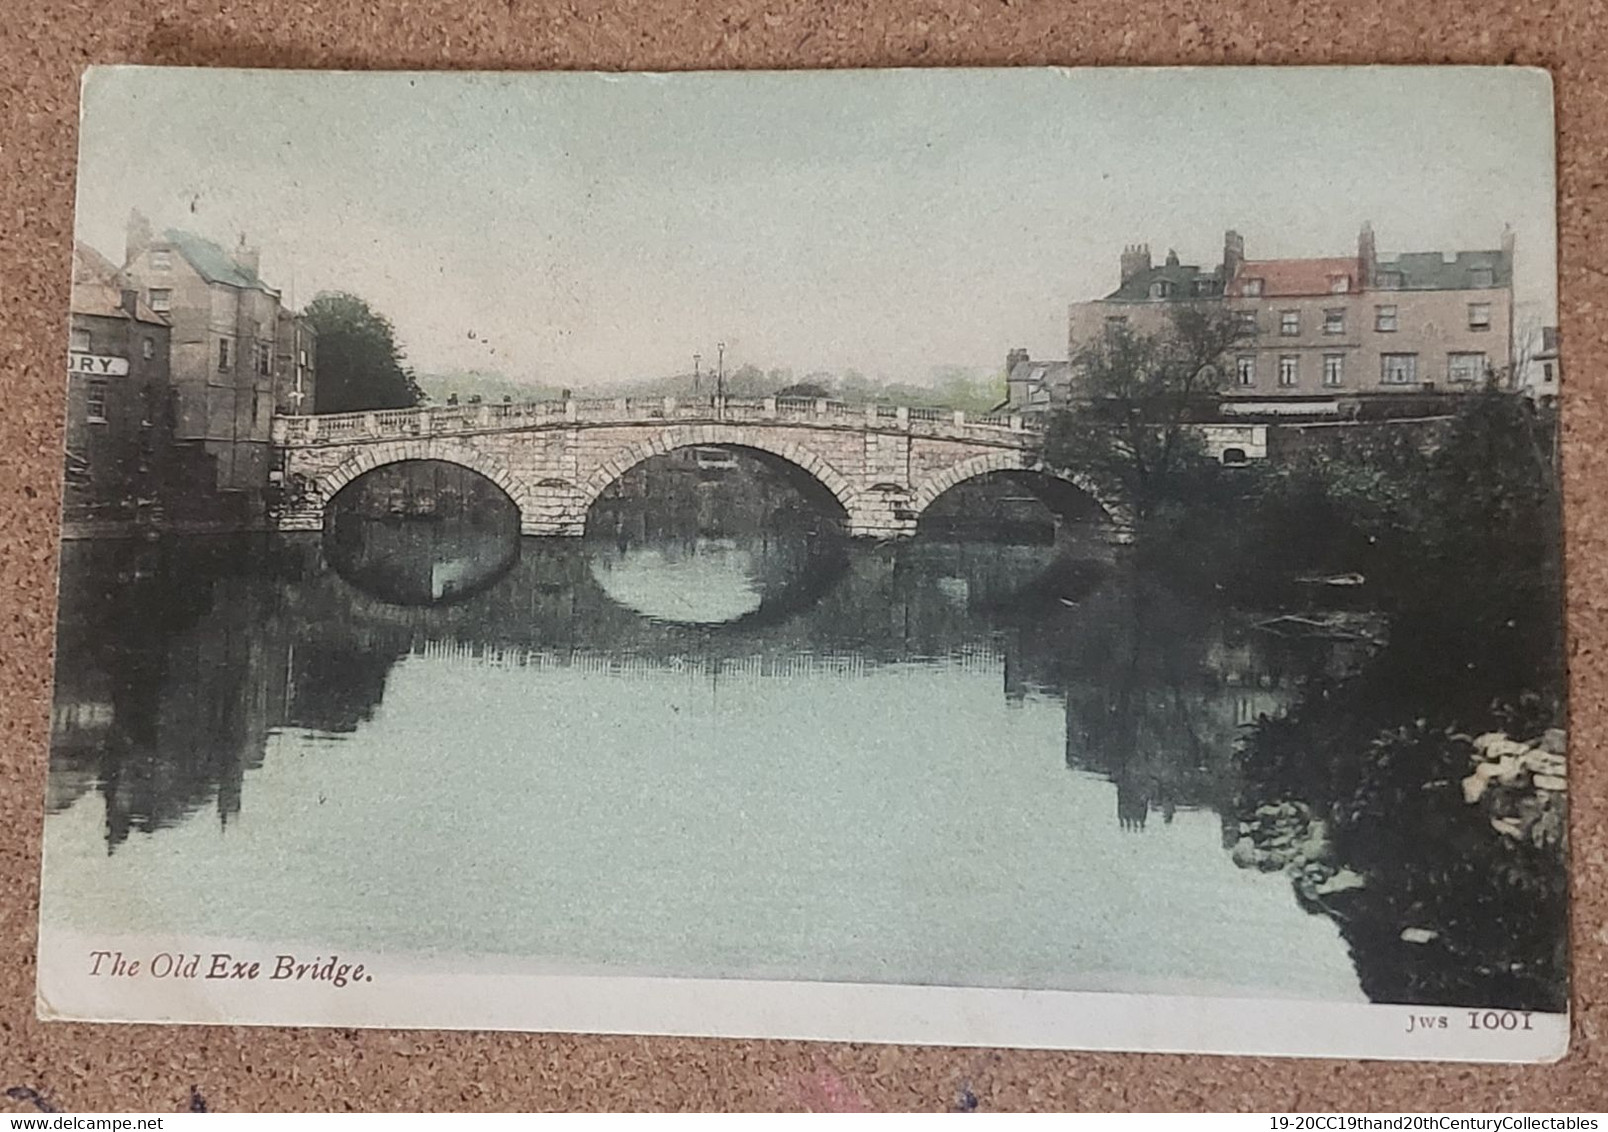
[[449, 420]]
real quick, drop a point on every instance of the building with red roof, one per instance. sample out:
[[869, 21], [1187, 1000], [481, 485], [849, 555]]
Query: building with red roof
[[1325, 334]]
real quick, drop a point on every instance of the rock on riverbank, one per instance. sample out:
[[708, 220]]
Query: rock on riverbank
[[1285, 836], [1522, 786]]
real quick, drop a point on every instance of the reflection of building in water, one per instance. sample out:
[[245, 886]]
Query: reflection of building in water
[[451, 577], [164, 695], [1248, 682], [1159, 705]]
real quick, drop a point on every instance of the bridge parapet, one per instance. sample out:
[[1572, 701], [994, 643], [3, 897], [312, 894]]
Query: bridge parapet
[[450, 420]]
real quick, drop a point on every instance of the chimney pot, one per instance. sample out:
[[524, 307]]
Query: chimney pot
[[1233, 253], [1367, 256], [246, 256], [1135, 261], [137, 236]]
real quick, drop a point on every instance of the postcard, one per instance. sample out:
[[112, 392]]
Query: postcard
[[1042, 558]]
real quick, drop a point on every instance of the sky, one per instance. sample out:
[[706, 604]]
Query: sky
[[582, 229]]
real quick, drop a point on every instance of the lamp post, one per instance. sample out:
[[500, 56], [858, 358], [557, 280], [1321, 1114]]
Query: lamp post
[[720, 380], [696, 358]]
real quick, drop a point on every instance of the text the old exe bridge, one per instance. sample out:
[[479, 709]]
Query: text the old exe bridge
[[884, 465]]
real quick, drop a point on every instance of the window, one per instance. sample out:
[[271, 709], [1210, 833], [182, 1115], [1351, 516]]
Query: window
[[1245, 369], [95, 402], [1385, 318], [1247, 322], [1481, 277], [80, 341], [161, 260], [1235, 457], [223, 355], [1398, 369], [302, 358], [1339, 284], [1479, 316], [1289, 322], [1390, 280], [1334, 320], [1334, 369], [1251, 287], [1289, 369], [1546, 372], [1465, 367], [1160, 289], [148, 349], [160, 299], [265, 358]]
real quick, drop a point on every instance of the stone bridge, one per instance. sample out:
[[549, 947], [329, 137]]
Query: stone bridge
[[883, 464]]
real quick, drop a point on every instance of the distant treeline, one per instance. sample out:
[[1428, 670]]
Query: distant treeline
[[952, 387]]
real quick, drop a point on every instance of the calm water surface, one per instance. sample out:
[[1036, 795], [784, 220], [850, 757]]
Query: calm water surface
[[715, 754]]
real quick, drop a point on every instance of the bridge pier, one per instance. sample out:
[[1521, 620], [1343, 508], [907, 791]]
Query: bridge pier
[[882, 514], [539, 526]]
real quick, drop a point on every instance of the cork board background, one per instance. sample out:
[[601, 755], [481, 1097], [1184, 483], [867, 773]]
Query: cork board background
[[43, 48]]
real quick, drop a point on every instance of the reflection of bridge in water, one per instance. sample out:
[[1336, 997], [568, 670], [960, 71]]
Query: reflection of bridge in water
[[881, 465], [749, 669], [172, 680]]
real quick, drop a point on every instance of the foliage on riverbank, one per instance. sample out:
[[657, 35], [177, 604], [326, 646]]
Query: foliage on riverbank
[[1450, 529], [1459, 543]]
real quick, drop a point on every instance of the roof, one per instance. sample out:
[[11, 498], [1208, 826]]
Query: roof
[[90, 266], [214, 264], [1290, 277], [98, 288], [1182, 279], [1432, 271], [1047, 372]]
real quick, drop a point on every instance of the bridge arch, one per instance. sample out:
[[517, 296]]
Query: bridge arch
[[1009, 460], [373, 456], [630, 455]]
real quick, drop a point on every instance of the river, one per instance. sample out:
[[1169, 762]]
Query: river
[[689, 748]]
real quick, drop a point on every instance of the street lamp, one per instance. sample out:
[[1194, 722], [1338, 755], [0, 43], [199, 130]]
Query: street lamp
[[696, 358], [720, 377]]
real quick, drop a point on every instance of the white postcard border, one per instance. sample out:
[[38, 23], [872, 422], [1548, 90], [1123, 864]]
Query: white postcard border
[[401, 992]]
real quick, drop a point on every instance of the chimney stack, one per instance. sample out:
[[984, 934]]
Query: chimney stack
[[136, 236], [1135, 261], [246, 256], [1507, 245], [130, 302], [1015, 358], [1367, 256], [1233, 253]]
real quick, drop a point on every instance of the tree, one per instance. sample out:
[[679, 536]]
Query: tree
[[805, 389], [1127, 428], [360, 365]]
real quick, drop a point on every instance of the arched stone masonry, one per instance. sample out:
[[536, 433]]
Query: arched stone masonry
[[884, 466], [1004, 460]]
